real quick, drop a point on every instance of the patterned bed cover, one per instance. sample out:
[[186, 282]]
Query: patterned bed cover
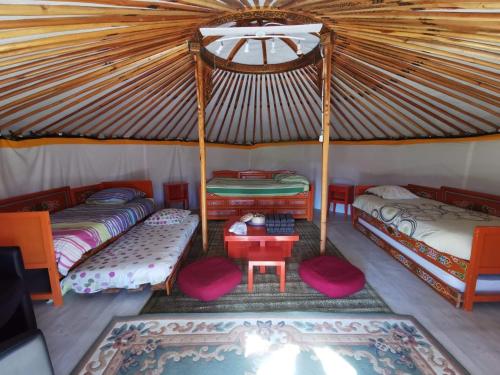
[[145, 255], [79, 229], [446, 228], [236, 187]]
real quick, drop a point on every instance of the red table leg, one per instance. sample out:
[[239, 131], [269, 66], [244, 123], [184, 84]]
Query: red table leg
[[250, 276], [282, 271]]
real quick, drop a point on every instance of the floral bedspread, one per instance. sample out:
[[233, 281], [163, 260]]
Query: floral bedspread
[[145, 255], [446, 228], [79, 229]]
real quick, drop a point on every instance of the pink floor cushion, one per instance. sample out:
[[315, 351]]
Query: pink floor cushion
[[331, 276], [210, 278]]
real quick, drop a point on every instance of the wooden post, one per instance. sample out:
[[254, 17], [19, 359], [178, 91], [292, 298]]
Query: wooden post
[[326, 44], [200, 94]]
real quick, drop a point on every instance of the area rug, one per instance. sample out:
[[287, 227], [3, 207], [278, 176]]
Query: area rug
[[266, 296], [267, 343]]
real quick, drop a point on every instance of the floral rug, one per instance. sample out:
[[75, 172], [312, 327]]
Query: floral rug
[[267, 343]]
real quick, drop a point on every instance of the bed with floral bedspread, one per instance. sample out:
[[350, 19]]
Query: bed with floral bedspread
[[444, 227]]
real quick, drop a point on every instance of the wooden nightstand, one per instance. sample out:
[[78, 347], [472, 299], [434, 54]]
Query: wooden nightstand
[[175, 192], [340, 193]]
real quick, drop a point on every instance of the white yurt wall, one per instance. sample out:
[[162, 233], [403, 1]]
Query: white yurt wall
[[468, 165], [30, 169]]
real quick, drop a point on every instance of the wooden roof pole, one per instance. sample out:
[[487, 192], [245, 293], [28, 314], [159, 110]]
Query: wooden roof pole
[[326, 44], [200, 95]]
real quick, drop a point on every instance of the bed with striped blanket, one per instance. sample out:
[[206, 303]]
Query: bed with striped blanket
[[79, 229], [236, 187]]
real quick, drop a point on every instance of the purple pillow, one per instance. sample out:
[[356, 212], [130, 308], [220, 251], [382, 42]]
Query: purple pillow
[[115, 196]]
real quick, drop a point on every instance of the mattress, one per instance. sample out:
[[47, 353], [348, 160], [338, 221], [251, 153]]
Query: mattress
[[145, 255], [236, 187], [77, 230], [485, 283], [448, 229]]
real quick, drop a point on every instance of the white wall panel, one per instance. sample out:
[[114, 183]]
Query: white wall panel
[[26, 170], [469, 165]]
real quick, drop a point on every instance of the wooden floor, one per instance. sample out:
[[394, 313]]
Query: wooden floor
[[473, 338]]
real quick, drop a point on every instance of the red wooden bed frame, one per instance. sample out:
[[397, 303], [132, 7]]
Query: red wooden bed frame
[[485, 252], [25, 222], [222, 207]]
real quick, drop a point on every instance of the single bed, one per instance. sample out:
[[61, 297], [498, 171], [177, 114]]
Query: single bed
[[450, 241], [144, 255], [234, 193], [236, 187], [56, 232], [79, 229]]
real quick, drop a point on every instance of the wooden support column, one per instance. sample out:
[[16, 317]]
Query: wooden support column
[[326, 44], [200, 95]]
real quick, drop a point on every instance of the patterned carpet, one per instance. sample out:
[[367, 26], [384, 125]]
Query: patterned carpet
[[266, 295], [267, 343]]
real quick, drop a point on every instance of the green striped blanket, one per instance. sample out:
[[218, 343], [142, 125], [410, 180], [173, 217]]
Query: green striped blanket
[[235, 187]]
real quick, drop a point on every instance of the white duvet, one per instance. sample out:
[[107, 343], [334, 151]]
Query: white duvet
[[446, 228]]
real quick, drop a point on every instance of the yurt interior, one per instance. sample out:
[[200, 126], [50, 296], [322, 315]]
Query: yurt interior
[[249, 187]]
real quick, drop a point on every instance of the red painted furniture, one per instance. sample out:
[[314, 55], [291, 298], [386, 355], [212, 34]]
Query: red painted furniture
[[175, 192], [222, 208], [25, 222], [263, 259], [484, 259], [340, 193], [257, 239]]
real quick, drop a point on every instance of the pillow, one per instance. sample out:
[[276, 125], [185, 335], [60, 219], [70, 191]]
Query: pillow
[[279, 176], [295, 178], [391, 192], [114, 196], [168, 216]]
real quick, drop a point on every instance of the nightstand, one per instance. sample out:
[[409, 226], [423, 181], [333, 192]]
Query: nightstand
[[340, 193], [175, 192]]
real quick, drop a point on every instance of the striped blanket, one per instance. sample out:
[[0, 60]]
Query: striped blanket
[[79, 229], [235, 187]]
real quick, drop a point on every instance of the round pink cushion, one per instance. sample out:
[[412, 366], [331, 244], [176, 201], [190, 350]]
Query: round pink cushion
[[331, 276], [210, 278]]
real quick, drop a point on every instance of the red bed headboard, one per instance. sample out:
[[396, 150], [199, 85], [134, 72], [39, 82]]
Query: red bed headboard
[[142, 185], [48, 200], [249, 174], [80, 194], [421, 191], [487, 203], [360, 189], [425, 191]]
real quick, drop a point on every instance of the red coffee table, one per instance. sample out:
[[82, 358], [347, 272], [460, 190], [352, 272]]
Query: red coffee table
[[261, 249], [257, 238]]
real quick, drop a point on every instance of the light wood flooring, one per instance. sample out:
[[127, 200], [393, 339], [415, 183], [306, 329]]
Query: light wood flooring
[[473, 338]]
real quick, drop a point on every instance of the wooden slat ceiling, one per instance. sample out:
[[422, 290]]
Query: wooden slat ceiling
[[122, 69]]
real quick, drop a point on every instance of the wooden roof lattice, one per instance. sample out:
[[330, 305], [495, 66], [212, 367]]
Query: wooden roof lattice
[[122, 69]]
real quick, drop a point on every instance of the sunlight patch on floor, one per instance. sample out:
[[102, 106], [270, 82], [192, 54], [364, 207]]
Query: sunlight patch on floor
[[283, 359]]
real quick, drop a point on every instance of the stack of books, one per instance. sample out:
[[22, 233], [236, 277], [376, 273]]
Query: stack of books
[[280, 224]]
